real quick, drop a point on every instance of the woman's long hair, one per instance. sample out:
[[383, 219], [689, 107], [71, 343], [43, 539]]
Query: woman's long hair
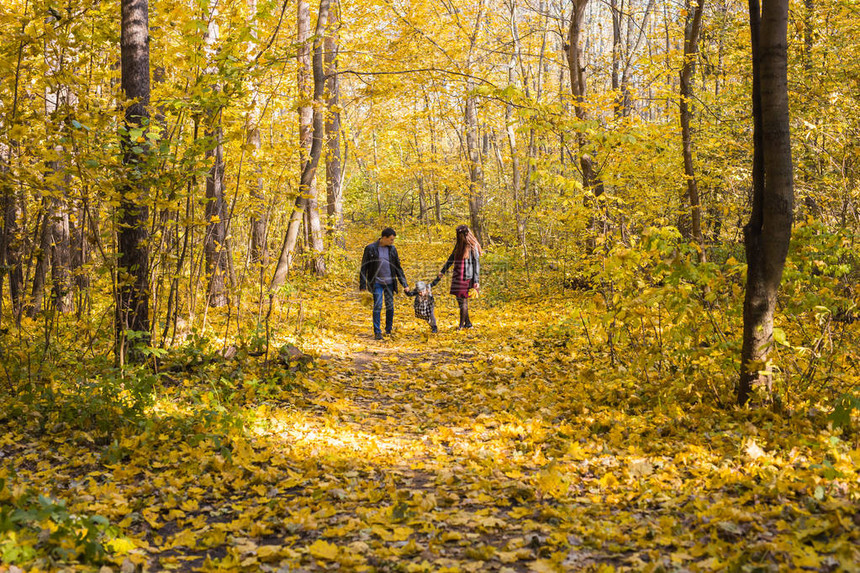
[[466, 241]]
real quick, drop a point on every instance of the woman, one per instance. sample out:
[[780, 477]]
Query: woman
[[466, 262]]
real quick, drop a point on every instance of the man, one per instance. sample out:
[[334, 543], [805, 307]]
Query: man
[[380, 272]]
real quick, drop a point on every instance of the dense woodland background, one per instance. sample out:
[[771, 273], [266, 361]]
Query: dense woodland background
[[426, 113], [201, 184]]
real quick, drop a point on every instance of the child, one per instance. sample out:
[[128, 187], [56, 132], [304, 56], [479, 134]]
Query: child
[[425, 304]]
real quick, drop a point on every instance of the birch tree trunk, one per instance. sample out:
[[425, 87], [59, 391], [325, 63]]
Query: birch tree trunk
[[334, 166], [61, 257], [57, 178], [473, 149], [510, 130], [476, 173], [259, 211], [215, 243], [308, 75]]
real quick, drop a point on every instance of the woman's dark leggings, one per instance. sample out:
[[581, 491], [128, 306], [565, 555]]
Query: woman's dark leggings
[[463, 303]]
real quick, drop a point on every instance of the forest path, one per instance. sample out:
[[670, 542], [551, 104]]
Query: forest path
[[498, 449], [413, 453], [425, 445], [502, 448]]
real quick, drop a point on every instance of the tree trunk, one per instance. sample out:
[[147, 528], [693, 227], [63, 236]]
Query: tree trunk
[[304, 74], [437, 206], [334, 167], [61, 258], [376, 188], [590, 179], [78, 235], [11, 239], [767, 235], [632, 47], [808, 33], [133, 264], [531, 151], [422, 200], [617, 14], [476, 173], [40, 274], [315, 234], [473, 149], [691, 39], [57, 178], [309, 75], [11, 244], [511, 132], [215, 245], [259, 211], [310, 165], [574, 60]]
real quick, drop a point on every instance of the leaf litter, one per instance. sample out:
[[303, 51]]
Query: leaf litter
[[466, 451]]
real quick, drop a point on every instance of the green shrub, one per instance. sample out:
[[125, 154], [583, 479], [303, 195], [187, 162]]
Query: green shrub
[[39, 530]]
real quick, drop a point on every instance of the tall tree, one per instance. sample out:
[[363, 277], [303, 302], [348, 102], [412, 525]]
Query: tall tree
[[591, 182], [511, 132], [43, 258], [309, 166], [691, 40], [57, 177], [309, 75], [215, 244], [11, 239], [617, 13], [590, 179], [10, 242], [334, 164], [259, 211], [132, 309], [767, 235], [473, 150]]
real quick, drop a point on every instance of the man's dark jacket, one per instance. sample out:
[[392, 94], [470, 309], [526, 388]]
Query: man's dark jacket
[[370, 267]]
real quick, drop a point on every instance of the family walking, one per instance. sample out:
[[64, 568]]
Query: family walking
[[381, 271]]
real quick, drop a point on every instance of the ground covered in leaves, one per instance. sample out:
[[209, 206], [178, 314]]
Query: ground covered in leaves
[[481, 450]]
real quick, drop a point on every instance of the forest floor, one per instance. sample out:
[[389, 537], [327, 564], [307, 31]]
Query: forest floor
[[476, 450]]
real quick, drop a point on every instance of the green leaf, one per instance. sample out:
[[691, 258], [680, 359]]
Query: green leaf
[[841, 416], [779, 336]]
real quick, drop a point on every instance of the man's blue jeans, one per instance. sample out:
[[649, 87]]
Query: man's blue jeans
[[381, 292]]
